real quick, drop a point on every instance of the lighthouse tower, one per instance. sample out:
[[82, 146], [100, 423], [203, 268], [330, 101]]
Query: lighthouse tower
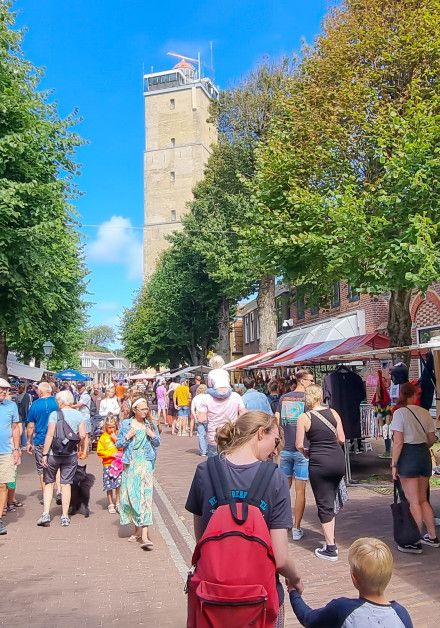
[[178, 144]]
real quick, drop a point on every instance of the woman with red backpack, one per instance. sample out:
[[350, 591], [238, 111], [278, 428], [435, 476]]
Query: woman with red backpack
[[242, 511]]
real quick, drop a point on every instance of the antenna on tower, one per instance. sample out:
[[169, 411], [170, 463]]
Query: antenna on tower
[[212, 60], [185, 58]]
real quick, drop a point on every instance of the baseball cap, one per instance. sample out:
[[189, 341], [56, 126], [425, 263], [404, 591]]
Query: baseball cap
[[4, 383]]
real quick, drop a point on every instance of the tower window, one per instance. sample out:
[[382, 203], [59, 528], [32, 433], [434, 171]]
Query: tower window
[[172, 176], [172, 103], [173, 215], [173, 141]]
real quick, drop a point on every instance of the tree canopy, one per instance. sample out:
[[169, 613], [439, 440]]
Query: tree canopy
[[99, 337], [174, 318], [41, 265], [347, 183]]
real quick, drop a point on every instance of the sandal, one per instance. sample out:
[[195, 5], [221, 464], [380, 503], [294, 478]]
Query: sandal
[[133, 538], [16, 504], [10, 507], [147, 545], [111, 509]]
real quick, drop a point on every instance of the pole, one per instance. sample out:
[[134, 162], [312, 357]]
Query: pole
[[199, 64]]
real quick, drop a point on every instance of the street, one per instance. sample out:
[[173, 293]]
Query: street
[[88, 574]]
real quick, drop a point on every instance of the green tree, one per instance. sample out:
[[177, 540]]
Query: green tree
[[347, 185], [174, 318], [242, 115], [98, 338], [41, 266]]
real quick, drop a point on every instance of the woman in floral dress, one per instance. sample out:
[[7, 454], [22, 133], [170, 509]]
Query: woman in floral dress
[[138, 437]]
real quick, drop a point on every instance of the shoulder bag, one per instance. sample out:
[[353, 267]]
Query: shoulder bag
[[405, 529], [341, 496]]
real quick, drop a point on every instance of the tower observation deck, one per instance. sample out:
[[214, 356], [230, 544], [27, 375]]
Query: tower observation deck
[[178, 144]]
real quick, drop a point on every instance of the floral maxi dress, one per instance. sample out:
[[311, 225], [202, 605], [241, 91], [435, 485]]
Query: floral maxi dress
[[136, 498]]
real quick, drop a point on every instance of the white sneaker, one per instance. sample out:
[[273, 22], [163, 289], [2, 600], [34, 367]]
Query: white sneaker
[[297, 534]]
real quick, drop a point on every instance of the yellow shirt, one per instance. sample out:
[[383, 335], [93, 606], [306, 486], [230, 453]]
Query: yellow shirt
[[106, 449], [182, 396]]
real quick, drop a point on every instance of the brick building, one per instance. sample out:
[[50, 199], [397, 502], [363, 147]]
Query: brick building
[[348, 314]]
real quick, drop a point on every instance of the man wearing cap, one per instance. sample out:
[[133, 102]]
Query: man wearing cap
[[182, 401], [10, 453]]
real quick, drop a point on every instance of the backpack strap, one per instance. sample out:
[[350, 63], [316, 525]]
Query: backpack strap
[[218, 479], [260, 483]]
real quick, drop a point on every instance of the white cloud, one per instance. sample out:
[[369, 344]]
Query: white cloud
[[118, 243]]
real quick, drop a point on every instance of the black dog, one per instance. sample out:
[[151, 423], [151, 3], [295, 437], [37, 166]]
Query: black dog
[[82, 483]]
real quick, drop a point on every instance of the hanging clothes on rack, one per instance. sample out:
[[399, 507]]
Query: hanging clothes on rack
[[344, 391], [427, 381], [382, 403], [399, 375]]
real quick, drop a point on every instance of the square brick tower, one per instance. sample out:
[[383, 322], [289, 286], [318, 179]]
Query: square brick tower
[[178, 141]]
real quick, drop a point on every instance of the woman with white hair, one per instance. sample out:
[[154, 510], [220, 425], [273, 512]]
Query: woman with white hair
[[66, 433]]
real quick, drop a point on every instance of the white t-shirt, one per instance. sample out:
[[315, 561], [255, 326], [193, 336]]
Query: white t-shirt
[[220, 411], [85, 401], [404, 421], [109, 404], [199, 404]]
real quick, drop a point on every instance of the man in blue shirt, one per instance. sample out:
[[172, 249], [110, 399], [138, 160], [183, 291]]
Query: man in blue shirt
[[254, 400], [37, 421], [10, 453]]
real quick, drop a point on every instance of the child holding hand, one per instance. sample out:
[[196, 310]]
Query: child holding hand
[[371, 567], [108, 452]]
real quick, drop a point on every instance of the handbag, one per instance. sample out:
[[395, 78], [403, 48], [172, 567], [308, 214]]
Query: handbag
[[405, 529], [341, 496]]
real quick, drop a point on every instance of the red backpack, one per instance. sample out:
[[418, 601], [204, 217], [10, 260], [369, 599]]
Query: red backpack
[[232, 582]]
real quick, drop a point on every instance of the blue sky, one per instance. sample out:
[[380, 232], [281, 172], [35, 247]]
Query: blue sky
[[93, 53]]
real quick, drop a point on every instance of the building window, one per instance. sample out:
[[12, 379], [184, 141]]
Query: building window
[[172, 176], [251, 327], [173, 142], [173, 215], [352, 294], [257, 327], [102, 364], [172, 103], [87, 362], [336, 295], [428, 333], [246, 330], [300, 306], [282, 304]]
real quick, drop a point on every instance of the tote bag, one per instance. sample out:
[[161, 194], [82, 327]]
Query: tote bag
[[405, 529]]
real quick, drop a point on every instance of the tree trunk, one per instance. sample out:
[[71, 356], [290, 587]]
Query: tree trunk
[[3, 356], [267, 314], [399, 323], [38, 362], [224, 345]]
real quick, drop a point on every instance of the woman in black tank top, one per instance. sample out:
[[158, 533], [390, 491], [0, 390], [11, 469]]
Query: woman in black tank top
[[325, 434]]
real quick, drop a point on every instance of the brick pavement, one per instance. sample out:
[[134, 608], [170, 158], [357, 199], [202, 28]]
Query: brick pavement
[[416, 582], [89, 574]]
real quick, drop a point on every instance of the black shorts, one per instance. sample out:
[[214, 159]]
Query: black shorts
[[67, 466], [414, 461]]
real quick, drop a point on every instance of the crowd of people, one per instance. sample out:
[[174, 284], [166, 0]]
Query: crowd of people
[[279, 439]]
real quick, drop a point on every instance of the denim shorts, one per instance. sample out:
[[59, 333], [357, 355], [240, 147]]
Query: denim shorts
[[184, 411], [294, 464]]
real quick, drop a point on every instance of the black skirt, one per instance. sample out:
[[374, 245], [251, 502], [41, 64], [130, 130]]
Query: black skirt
[[414, 461]]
